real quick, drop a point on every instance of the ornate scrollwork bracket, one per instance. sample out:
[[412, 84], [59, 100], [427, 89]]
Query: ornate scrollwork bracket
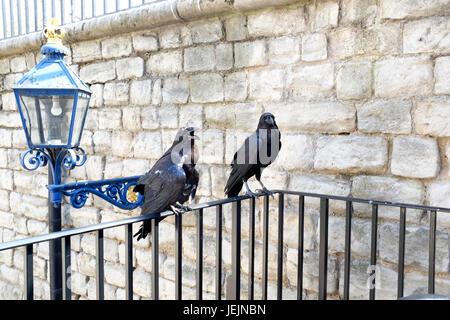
[[118, 192]]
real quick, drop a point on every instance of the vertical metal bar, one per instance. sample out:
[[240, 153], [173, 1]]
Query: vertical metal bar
[[236, 251], [28, 278], [432, 252], [155, 259], [94, 8], [348, 249], [129, 4], [67, 272], [63, 11], [100, 275], [104, 6], [27, 17], [199, 289], [373, 250], [11, 17], [19, 14], [72, 10], [251, 251], [323, 248], [219, 213], [280, 246], [265, 246], [44, 13], [178, 256], [35, 7], [301, 224], [401, 253], [129, 261], [117, 5], [83, 11], [5, 28], [53, 9]]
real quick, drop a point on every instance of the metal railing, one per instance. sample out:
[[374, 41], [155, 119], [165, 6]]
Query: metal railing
[[234, 289], [19, 17]]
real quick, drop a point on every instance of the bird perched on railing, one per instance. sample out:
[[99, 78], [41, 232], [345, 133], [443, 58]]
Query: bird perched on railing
[[171, 181], [258, 151]]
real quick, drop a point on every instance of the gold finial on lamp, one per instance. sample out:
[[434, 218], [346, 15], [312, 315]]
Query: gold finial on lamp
[[54, 33]]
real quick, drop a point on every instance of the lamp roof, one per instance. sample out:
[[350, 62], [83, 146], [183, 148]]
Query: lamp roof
[[51, 74]]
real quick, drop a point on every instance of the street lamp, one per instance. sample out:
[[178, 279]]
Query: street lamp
[[53, 103]]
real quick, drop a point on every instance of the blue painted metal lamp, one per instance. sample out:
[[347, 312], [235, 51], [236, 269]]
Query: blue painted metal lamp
[[53, 104]]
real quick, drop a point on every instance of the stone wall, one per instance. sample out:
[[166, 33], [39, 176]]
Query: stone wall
[[360, 90]]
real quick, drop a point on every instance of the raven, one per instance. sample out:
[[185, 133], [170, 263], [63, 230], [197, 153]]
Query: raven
[[258, 151], [166, 183]]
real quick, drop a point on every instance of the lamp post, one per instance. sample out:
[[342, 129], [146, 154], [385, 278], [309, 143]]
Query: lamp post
[[53, 103]]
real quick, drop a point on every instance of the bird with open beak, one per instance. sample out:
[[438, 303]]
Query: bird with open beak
[[171, 181]]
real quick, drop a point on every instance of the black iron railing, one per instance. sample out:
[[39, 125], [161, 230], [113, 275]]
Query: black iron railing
[[233, 291]]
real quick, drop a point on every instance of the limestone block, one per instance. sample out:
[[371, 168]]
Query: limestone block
[[312, 81], [98, 72], [110, 119], [147, 41], [431, 118], [266, 85], [116, 93], [411, 9], [86, 51], [354, 81], [320, 117], [116, 47], [403, 77], [141, 92], [284, 50], [297, 152], [442, 75], [415, 157], [206, 30], [165, 62], [314, 47], [128, 68], [206, 88], [236, 28], [200, 58], [427, 35], [289, 20], [235, 86], [18, 64], [175, 90], [224, 56], [351, 154], [250, 54], [385, 117]]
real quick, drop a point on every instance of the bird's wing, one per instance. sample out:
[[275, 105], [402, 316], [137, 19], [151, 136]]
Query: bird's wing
[[193, 181], [164, 188], [244, 160]]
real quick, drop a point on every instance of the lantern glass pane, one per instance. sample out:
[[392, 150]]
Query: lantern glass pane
[[47, 119], [80, 115]]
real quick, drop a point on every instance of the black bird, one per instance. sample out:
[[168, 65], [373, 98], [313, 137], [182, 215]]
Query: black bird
[[166, 182], [254, 155]]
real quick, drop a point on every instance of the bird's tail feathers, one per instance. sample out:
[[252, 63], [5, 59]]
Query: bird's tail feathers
[[144, 230], [234, 189]]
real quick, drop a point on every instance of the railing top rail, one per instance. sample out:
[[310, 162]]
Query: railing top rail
[[122, 222], [378, 202]]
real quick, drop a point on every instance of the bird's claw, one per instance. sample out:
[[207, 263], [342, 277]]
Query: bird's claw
[[250, 194], [267, 192], [177, 211], [182, 207]]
